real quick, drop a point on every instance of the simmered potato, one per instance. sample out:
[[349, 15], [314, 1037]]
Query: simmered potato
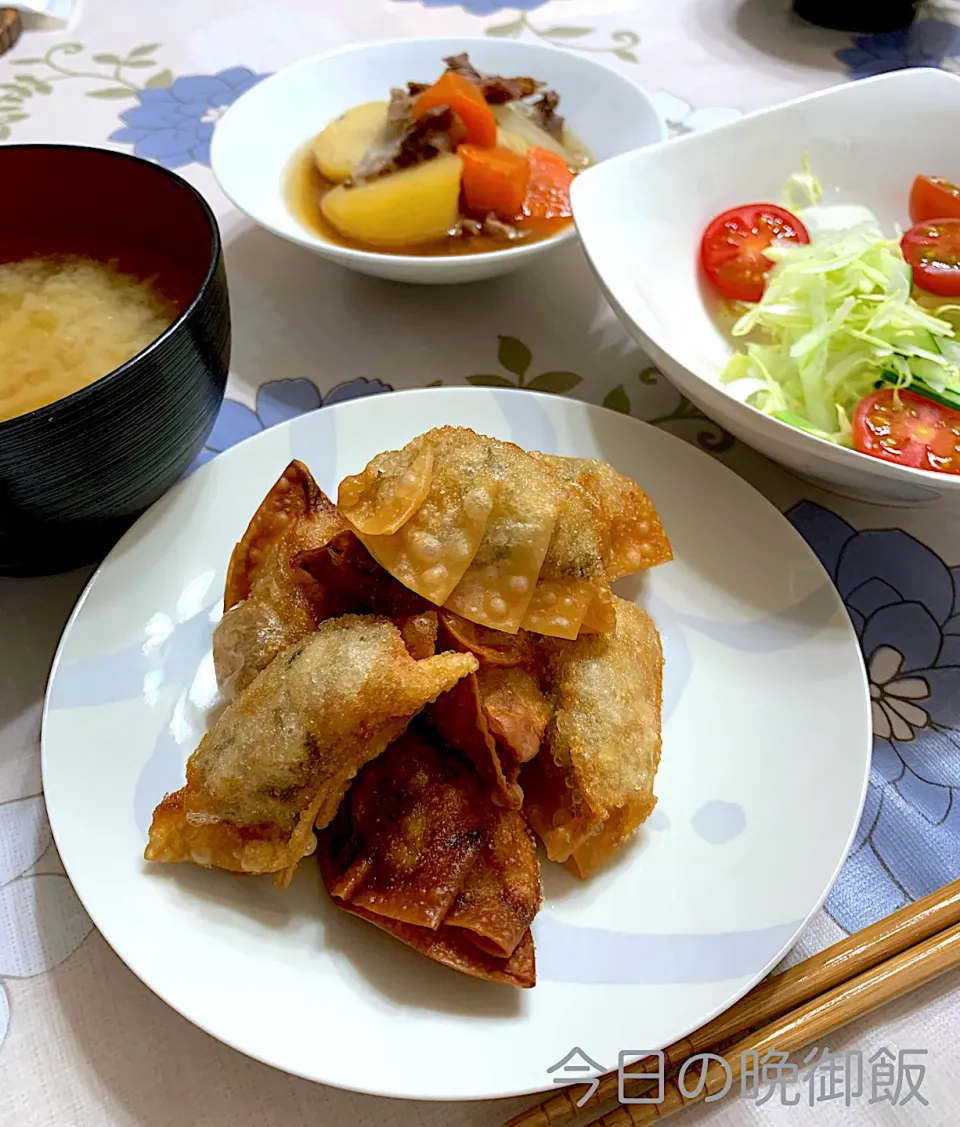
[[408, 207], [340, 146]]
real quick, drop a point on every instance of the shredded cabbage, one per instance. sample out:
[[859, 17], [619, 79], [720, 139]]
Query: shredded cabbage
[[803, 189], [836, 317]]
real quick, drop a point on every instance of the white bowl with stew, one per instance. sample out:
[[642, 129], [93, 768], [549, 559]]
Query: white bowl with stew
[[641, 218], [262, 148]]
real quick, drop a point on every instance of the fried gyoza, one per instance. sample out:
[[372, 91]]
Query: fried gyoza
[[496, 718], [282, 754], [634, 538], [612, 519], [515, 709], [591, 786], [419, 850], [504, 538], [353, 579], [419, 633], [489, 647], [270, 602]]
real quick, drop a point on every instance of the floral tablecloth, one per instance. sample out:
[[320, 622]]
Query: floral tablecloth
[[82, 1042]]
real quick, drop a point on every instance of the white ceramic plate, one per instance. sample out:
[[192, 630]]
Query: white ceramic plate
[[765, 756], [641, 216]]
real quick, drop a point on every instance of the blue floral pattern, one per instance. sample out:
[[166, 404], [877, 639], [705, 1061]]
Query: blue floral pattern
[[480, 7], [173, 124], [904, 602], [926, 43], [276, 402]]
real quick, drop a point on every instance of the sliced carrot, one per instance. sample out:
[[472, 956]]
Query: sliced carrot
[[494, 180], [546, 206], [467, 101]]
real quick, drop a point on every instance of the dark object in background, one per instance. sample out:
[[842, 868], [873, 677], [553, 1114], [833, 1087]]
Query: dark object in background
[[75, 473], [863, 16]]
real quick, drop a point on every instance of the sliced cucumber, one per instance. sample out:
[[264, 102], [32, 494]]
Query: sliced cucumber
[[945, 398], [932, 373], [800, 423], [909, 342]]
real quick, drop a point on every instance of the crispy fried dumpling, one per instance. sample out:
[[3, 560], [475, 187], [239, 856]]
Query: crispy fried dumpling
[[574, 574], [495, 718], [428, 545], [281, 756], [352, 579], [497, 587], [516, 711], [490, 647], [270, 602], [591, 786], [505, 539], [501, 895], [418, 849], [633, 535]]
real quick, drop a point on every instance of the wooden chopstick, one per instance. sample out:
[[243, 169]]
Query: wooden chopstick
[[845, 1003], [774, 997]]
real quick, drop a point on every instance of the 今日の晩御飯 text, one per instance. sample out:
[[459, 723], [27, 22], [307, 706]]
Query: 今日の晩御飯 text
[[812, 1077]]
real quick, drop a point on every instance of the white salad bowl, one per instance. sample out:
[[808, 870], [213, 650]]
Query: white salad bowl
[[263, 131], [641, 217]]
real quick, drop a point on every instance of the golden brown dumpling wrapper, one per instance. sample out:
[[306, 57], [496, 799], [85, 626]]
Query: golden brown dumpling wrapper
[[390, 490], [478, 541], [458, 717], [601, 616], [419, 850], [498, 586], [515, 709], [496, 719], [270, 602], [591, 786], [353, 580], [432, 549], [489, 647], [574, 572], [282, 754], [501, 894], [417, 819], [503, 538], [452, 947], [634, 536], [419, 633]]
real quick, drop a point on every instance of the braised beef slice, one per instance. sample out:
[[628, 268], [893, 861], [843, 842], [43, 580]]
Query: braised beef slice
[[405, 140], [545, 108], [492, 225], [499, 90], [400, 109], [496, 90]]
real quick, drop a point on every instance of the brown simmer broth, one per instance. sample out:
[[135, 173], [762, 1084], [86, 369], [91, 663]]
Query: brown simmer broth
[[306, 186]]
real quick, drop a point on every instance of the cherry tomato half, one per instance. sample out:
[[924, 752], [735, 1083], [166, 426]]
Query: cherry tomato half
[[932, 197], [907, 429], [731, 250], [933, 250]]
